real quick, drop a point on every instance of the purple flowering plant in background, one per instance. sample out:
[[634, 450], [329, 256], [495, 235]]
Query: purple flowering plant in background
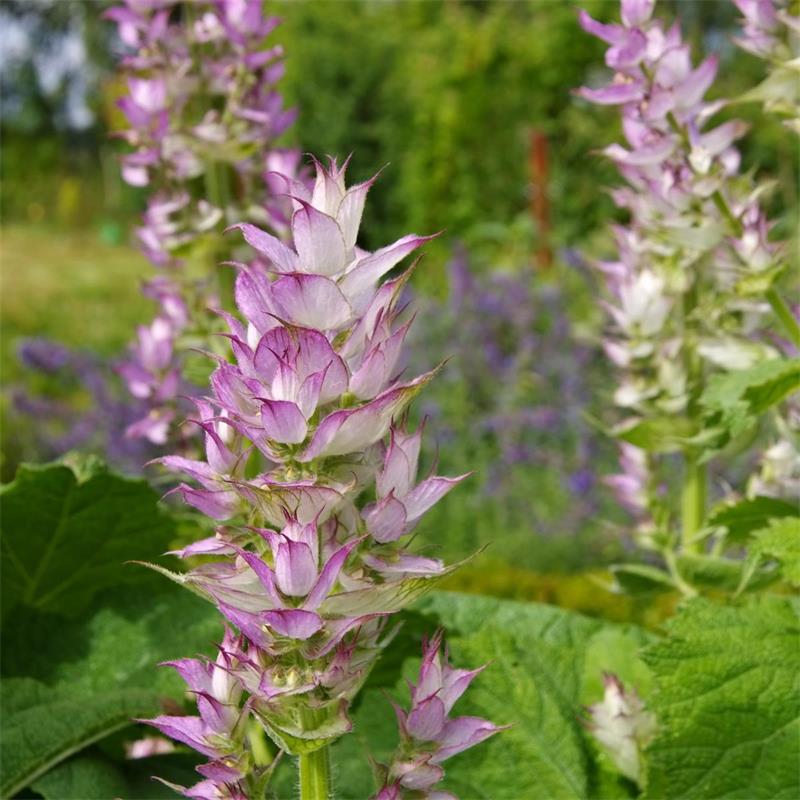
[[61, 425], [311, 470], [705, 348], [521, 377]]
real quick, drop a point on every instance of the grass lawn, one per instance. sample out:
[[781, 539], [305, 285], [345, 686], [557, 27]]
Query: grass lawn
[[70, 286]]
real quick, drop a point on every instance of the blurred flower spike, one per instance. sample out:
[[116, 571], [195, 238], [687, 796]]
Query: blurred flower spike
[[203, 115]]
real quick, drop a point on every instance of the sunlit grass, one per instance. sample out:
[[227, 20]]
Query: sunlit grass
[[68, 285]]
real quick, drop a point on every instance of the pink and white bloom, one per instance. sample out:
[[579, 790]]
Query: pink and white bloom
[[428, 734], [622, 726], [311, 391]]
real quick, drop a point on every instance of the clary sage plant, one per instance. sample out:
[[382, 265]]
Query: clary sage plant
[[704, 342], [203, 114], [694, 290], [296, 431]]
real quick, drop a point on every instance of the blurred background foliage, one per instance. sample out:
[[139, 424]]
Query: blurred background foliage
[[450, 95], [446, 93]]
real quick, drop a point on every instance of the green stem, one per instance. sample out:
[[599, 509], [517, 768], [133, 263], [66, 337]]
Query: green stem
[[693, 502], [784, 314], [314, 767], [315, 775], [693, 495], [217, 184], [722, 205], [212, 184]]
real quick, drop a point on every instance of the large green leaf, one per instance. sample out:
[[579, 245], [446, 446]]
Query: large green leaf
[[119, 646], [86, 632], [97, 776], [43, 725], [727, 702], [83, 778], [64, 539], [544, 664], [84, 679], [537, 680]]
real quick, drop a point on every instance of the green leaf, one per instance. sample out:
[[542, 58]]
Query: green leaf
[[118, 647], [734, 400], [81, 647], [99, 775], [716, 572], [655, 434], [92, 676], [64, 539], [44, 725], [83, 778], [640, 579], [727, 702], [745, 516], [759, 387], [781, 541], [544, 663]]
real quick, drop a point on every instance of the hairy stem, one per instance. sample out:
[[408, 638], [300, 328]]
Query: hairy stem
[[314, 767], [315, 775], [790, 325]]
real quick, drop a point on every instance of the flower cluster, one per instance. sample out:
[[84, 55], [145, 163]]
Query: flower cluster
[[295, 433], [428, 735], [219, 731], [622, 726], [770, 31], [695, 259], [202, 113]]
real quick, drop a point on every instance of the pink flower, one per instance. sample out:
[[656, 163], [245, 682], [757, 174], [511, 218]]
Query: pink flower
[[428, 735]]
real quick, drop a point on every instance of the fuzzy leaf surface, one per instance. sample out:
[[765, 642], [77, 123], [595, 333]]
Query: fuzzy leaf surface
[[68, 683], [83, 778], [43, 725], [67, 537], [727, 702]]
